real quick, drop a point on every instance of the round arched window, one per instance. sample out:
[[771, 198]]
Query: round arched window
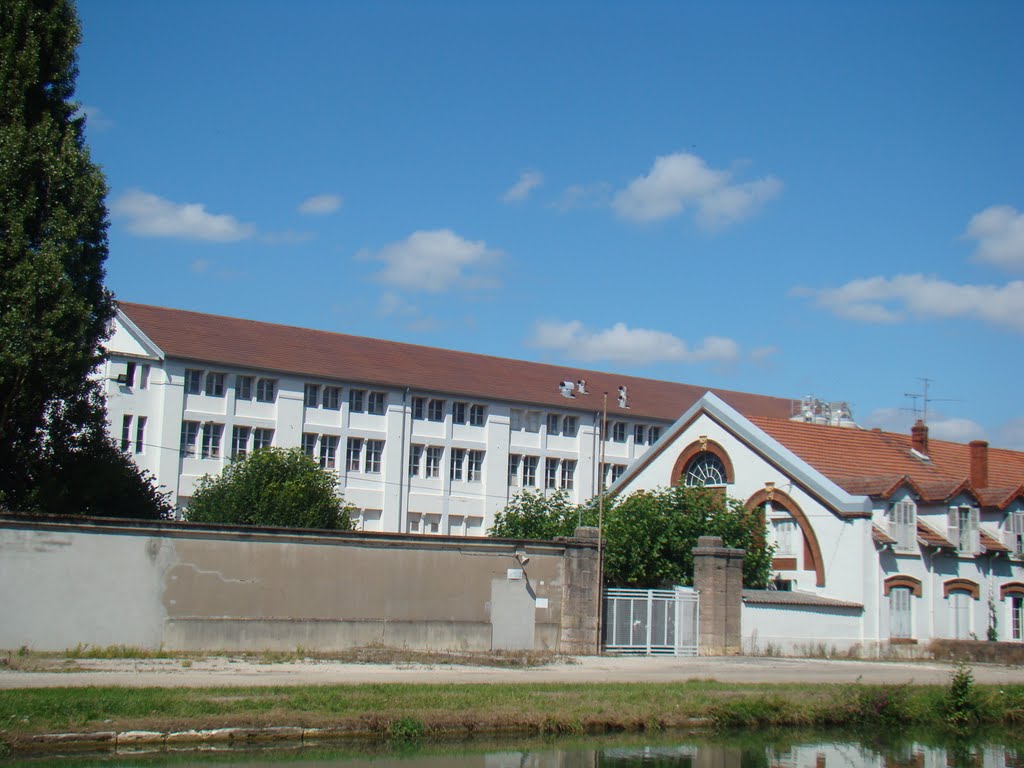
[[705, 469]]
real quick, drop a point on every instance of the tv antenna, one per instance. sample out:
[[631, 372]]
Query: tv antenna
[[922, 412]]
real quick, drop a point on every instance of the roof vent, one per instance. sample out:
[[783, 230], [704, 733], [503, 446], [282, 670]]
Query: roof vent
[[919, 437]]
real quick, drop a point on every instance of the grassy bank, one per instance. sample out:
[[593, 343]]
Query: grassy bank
[[423, 710]]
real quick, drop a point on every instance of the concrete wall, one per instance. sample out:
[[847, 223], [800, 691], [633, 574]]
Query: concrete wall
[[192, 587]]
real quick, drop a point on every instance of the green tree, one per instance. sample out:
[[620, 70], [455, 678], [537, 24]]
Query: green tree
[[54, 308], [649, 535], [280, 487]]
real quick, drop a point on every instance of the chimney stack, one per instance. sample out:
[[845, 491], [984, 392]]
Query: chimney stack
[[979, 463], [919, 437]]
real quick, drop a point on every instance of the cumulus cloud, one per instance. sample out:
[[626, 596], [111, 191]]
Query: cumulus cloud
[[594, 195], [148, 215], [893, 300], [940, 426], [628, 345], [763, 354], [435, 261], [682, 180], [1011, 434], [320, 205], [999, 232], [528, 181]]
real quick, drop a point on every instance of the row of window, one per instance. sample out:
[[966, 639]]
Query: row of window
[[643, 434], [328, 397], [435, 409], [555, 423], [214, 384], [203, 439], [610, 474], [458, 525], [361, 455], [463, 464], [126, 433], [960, 614], [558, 473], [127, 379], [963, 528]]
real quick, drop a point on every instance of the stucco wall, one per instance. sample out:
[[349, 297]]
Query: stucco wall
[[770, 629], [192, 587]]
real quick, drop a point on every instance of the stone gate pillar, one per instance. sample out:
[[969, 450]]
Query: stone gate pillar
[[718, 578], [581, 591]]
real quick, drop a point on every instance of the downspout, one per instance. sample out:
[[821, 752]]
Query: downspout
[[404, 470]]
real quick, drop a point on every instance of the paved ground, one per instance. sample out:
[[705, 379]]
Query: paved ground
[[223, 671]]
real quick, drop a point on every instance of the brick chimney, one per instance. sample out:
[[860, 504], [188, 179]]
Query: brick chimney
[[979, 463], [919, 437]]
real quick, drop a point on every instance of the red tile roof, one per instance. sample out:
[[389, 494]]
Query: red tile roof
[[226, 341], [991, 544], [881, 536], [876, 463], [932, 538]]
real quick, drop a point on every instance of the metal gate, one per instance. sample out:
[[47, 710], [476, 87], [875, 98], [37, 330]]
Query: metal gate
[[650, 621]]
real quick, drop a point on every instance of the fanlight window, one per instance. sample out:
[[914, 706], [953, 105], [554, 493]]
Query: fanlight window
[[706, 469]]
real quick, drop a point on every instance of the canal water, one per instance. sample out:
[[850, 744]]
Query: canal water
[[747, 750]]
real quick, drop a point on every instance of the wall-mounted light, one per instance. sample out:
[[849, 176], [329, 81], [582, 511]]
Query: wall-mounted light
[[522, 557]]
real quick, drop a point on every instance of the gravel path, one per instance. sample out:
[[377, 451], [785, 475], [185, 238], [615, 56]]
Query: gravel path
[[225, 671]]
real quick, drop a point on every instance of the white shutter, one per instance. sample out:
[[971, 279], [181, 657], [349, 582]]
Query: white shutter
[[953, 526], [975, 529]]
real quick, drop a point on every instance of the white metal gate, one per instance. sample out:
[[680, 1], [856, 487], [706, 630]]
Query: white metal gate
[[650, 621]]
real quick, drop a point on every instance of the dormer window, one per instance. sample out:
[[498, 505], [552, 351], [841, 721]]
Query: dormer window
[[963, 527], [903, 525], [1013, 533]]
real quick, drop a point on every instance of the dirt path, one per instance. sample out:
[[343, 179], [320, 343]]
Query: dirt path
[[226, 671]]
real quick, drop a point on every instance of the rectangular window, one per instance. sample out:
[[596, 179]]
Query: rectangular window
[[329, 451], [553, 422], [144, 376], [455, 461], [419, 405], [434, 453], [903, 524], [617, 471], [354, 454], [610, 473], [126, 432], [653, 435], [262, 438], [618, 432], [129, 374], [551, 473], [140, 434], [516, 420], [212, 434], [1013, 533], [530, 471], [960, 614], [378, 403], [415, 459], [784, 530], [532, 421], [414, 522], [477, 415], [514, 460], [239, 441], [356, 400], [243, 387], [215, 384], [475, 466], [459, 411], [309, 444], [374, 452], [1016, 617], [193, 381], [311, 395], [189, 438], [639, 433], [899, 612], [568, 478], [569, 426], [435, 410], [963, 523], [332, 398], [266, 390]]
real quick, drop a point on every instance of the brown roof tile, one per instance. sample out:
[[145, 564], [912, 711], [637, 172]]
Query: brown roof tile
[[227, 341], [875, 463], [992, 544], [932, 538], [881, 536]]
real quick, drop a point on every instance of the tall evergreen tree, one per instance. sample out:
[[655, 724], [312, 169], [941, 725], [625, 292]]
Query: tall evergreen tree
[[54, 308]]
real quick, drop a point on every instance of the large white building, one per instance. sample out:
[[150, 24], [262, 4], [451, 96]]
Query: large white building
[[422, 439]]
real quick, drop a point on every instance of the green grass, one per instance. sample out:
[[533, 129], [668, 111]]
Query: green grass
[[548, 708]]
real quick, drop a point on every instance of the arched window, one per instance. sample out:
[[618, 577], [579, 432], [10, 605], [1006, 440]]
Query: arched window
[[705, 469]]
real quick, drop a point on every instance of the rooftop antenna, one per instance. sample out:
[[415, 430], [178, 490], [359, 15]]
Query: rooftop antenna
[[922, 412]]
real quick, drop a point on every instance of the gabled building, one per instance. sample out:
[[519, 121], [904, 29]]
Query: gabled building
[[881, 539], [422, 439]]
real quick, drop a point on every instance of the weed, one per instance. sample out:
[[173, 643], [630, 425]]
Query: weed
[[23, 651], [961, 709], [405, 730]]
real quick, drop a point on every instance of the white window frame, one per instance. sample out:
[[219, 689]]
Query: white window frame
[[553, 422], [309, 444], [357, 401], [419, 408], [214, 384], [126, 432], [213, 435], [432, 468], [243, 387], [456, 459], [474, 466], [903, 525], [530, 465], [639, 434], [354, 454], [460, 411], [570, 425], [374, 456], [329, 451], [331, 398], [377, 402], [416, 451], [477, 415], [262, 437], [567, 478], [964, 528], [1013, 533], [311, 395], [189, 439], [266, 390], [550, 473], [435, 409], [240, 441], [140, 434], [193, 381], [514, 462]]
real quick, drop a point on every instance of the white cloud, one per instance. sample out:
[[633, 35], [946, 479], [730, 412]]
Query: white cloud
[[319, 205], [95, 118], [394, 304], [682, 179], [892, 300], [999, 231], [435, 261], [528, 181], [762, 354], [1011, 434], [148, 215], [583, 196], [628, 345], [200, 266], [940, 426]]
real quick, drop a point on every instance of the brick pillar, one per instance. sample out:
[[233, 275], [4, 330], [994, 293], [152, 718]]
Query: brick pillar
[[581, 590], [718, 578]]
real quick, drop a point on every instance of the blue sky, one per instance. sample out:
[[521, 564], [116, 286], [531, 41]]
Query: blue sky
[[790, 199]]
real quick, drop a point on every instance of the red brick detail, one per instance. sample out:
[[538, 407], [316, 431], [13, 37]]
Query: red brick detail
[[783, 563], [1011, 588], [979, 463], [812, 550], [693, 450], [900, 580], [919, 437], [965, 585]]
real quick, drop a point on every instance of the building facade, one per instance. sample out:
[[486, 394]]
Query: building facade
[[423, 440]]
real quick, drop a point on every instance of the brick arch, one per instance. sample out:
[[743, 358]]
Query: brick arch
[[1011, 588], [812, 550], [696, 448], [900, 580], [966, 585]]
